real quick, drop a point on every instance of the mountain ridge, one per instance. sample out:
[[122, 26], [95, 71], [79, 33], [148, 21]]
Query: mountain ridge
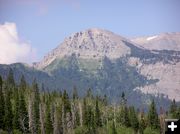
[[58, 51], [108, 64], [163, 41]]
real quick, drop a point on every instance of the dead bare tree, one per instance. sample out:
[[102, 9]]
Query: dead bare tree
[[31, 116], [42, 117]]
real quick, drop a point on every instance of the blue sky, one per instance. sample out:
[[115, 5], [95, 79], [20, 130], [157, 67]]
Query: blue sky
[[45, 23]]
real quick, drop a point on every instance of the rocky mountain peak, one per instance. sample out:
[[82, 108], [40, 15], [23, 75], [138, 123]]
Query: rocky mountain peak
[[89, 44]]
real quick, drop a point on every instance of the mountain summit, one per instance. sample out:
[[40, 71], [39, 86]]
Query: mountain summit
[[89, 44]]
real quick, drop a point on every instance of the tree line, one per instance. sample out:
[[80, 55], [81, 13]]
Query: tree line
[[27, 109]]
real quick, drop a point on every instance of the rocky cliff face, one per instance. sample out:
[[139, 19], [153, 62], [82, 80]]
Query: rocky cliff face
[[168, 76], [167, 73]]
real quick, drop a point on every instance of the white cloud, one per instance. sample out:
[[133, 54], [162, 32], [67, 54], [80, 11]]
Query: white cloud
[[12, 48]]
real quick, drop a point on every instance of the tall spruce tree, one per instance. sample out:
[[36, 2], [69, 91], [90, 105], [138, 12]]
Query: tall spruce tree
[[67, 105], [114, 131], [84, 116], [77, 118], [126, 117], [133, 119], [98, 121], [123, 99], [142, 123], [75, 110], [178, 113], [90, 120], [48, 121], [8, 118], [153, 120], [23, 114], [173, 109], [36, 103], [16, 110], [123, 116], [2, 105], [23, 84], [66, 110], [75, 93], [10, 79]]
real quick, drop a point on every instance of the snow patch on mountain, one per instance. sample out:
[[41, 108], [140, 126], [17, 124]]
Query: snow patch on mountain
[[152, 37], [164, 41]]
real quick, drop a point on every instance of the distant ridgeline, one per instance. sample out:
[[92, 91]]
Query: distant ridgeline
[[28, 108], [106, 82], [113, 78]]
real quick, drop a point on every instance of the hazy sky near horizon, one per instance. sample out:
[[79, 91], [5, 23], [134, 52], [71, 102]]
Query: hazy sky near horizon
[[34, 27]]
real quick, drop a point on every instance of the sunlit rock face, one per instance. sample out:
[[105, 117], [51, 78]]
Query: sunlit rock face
[[90, 44]]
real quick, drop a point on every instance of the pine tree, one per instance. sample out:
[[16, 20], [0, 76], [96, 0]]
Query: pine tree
[[77, 118], [98, 120], [90, 120], [142, 123], [23, 114], [123, 116], [123, 99], [57, 124], [23, 84], [114, 128], [105, 100], [93, 127], [161, 120], [173, 109], [48, 121], [75, 111], [67, 115], [133, 119], [2, 105], [75, 93], [84, 115], [67, 105], [153, 120], [16, 111], [36, 105], [42, 116], [10, 79], [178, 113], [8, 119], [126, 117], [89, 93], [31, 114]]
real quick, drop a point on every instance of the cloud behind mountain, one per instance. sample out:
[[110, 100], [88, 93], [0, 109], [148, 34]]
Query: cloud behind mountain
[[12, 48]]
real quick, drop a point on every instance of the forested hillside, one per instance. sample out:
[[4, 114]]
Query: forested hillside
[[29, 109]]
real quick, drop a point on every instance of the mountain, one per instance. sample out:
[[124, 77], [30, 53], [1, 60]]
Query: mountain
[[164, 41], [90, 44], [169, 73], [110, 64], [29, 72]]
